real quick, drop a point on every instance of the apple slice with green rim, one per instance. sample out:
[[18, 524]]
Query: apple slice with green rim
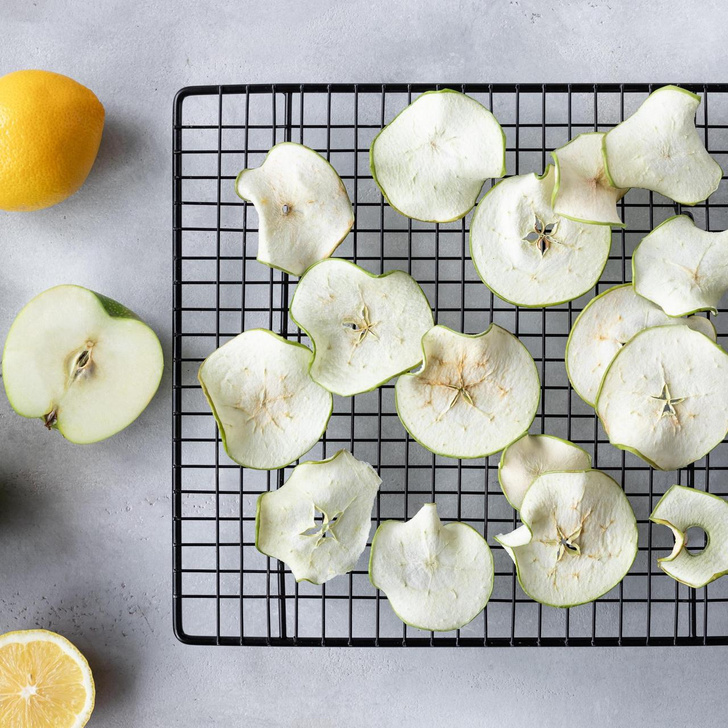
[[582, 190], [302, 204], [268, 409], [473, 396], [658, 148], [683, 508], [527, 254], [605, 325], [664, 397], [318, 522], [682, 268], [437, 577], [84, 364], [578, 541], [431, 161], [365, 329], [532, 455]]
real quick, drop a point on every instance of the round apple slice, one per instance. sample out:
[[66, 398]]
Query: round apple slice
[[437, 577], [605, 325], [578, 541], [318, 522], [302, 204], [681, 268], [268, 409], [683, 508], [431, 161], [523, 461], [582, 191], [664, 397], [526, 253], [658, 148], [84, 364], [365, 329], [473, 396]]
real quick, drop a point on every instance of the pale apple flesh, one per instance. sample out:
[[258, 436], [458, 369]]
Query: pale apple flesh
[[81, 362]]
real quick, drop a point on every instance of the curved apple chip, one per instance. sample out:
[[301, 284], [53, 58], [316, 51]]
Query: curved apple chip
[[682, 268], [473, 396], [582, 191], [658, 148], [365, 329], [682, 508], [318, 522], [431, 161], [605, 325], [437, 577], [268, 409], [526, 253], [302, 204], [664, 397], [578, 541], [532, 455]]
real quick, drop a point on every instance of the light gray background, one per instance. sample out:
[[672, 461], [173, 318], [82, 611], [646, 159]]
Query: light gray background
[[85, 532]]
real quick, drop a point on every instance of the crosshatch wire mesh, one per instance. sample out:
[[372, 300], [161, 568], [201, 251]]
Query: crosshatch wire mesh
[[227, 593]]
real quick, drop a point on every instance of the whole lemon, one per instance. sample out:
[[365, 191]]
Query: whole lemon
[[50, 131]]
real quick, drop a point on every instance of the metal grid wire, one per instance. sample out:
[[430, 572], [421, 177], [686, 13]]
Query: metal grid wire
[[227, 593]]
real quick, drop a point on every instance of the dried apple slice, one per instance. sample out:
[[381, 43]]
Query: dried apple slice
[[365, 329], [605, 325], [437, 577], [681, 268], [578, 541], [268, 409], [658, 148], [302, 204], [582, 191], [318, 522], [526, 253], [664, 397], [680, 509], [473, 396], [431, 161], [532, 455]]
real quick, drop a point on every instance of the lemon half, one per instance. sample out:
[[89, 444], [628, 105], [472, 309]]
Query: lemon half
[[45, 682]]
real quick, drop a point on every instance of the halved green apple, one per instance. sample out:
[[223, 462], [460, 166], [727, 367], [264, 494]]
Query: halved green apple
[[84, 364]]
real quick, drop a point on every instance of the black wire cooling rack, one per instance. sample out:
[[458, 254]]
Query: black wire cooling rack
[[227, 593]]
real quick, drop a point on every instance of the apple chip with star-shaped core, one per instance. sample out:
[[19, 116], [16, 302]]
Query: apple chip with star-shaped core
[[365, 328], [318, 522], [665, 396], [302, 204], [436, 576], [473, 396], [526, 253], [578, 541], [268, 409], [605, 325], [682, 268]]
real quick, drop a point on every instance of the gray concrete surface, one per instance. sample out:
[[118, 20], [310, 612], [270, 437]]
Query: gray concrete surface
[[85, 532]]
